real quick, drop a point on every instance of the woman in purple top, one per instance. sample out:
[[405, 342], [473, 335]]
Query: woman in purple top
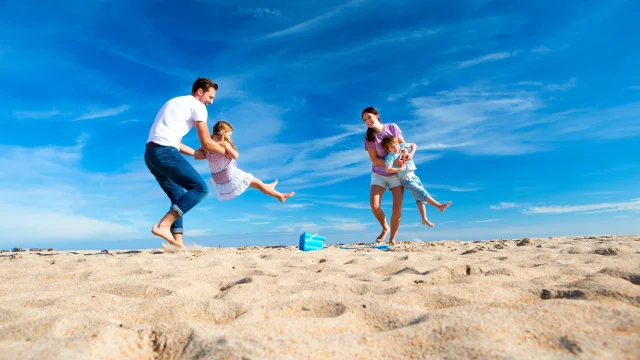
[[380, 179]]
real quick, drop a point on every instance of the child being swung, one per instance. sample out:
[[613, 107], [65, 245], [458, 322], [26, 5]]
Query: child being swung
[[407, 176], [228, 180]]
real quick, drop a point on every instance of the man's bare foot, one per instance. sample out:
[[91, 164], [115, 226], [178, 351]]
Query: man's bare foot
[[427, 222], [284, 197], [382, 235], [444, 206], [171, 248], [165, 233]]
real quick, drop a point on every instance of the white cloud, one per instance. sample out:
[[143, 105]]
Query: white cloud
[[315, 22], [634, 87], [630, 205], [27, 223], [488, 57], [196, 232], [96, 114], [483, 221], [503, 205], [562, 87], [541, 50], [260, 12], [36, 114]]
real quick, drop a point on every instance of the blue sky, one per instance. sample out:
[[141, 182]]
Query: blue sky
[[526, 116]]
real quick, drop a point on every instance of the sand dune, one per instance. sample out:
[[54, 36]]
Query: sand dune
[[564, 297]]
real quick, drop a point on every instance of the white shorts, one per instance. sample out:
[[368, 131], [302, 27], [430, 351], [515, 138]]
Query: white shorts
[[387, 182]]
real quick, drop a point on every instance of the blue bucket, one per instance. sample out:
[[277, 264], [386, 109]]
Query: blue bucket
[[309, 242]]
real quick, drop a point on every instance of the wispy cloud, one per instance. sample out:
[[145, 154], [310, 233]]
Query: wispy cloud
[[36, 114], [260, 12], [196, 232], [97, 114], [503, 205], [250, 217], [487, 58], [589, 208], [561, 87], [483, 221], [541, 50], [314, 22], [634, 87]]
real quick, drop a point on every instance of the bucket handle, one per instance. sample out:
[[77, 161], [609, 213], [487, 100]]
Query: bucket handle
[[312, 236]]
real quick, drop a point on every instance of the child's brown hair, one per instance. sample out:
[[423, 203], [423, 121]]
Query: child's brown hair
[[221, 126], [388, 141]]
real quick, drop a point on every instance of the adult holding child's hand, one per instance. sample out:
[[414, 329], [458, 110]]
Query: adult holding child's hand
[[380, 179]]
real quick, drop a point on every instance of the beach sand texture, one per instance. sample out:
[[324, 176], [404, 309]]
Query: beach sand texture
[[552, 298]]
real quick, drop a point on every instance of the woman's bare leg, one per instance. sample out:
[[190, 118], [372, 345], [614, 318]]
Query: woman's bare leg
[[396, 214], [270, 189], [375, 198]]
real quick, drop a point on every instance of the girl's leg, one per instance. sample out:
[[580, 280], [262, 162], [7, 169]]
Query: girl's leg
[[396, 214], [270, 189], [375, 198], [423, 214]]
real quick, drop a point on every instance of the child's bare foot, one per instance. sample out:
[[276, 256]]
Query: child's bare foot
[[382, 235], [444, 206], [392, 242], [272, 185], [427, 222], [165, 233], [284, 197]]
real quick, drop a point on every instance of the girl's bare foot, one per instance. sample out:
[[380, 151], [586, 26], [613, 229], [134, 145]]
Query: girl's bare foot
[[382, 235], [284, 197], [272, 185], [427, 222], [165, 233], [444, 206]]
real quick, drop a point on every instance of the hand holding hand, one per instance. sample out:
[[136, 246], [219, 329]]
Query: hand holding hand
[[199, 154]]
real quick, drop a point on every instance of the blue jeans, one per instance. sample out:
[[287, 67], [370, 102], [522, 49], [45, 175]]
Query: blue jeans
[[179, 180], [414, 185]]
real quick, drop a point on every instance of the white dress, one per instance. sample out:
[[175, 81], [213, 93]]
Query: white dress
[[227, 179]]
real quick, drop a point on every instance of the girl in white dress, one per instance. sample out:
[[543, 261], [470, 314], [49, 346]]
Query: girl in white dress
[[227, 179]]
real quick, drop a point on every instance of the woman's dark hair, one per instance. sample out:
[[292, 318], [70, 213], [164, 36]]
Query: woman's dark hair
[[370, 136]]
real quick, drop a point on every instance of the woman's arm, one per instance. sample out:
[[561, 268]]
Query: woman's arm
[[392, 170], [373, 155]]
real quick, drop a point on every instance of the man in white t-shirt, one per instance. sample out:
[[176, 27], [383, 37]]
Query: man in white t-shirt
[[179, 180]]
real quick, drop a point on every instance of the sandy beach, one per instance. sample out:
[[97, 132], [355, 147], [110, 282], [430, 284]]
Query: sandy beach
[[560, 298]]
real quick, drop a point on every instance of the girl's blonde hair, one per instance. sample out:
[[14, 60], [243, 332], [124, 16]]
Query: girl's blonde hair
[[223, 126]]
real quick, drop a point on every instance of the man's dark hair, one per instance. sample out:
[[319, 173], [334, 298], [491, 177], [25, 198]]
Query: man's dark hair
[[204, 84]]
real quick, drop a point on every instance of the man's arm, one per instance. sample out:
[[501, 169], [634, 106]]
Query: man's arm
[[205, 139]]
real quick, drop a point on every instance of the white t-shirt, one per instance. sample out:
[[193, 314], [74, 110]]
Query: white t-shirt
[[174, 120]]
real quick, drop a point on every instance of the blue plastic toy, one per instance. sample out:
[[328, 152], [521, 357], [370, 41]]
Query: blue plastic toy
[[309, 242]]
